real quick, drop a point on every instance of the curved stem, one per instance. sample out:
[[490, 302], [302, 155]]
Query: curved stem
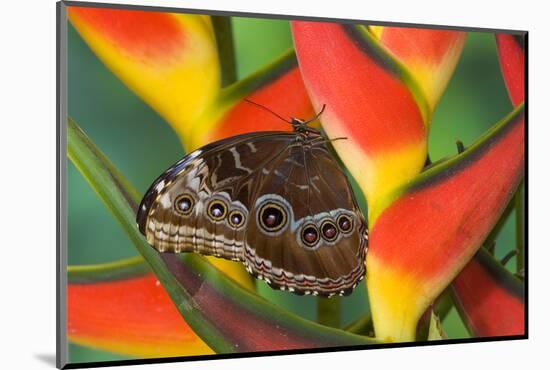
[[226, 48], [490, 241], [328, 311], [362, 326], [520, 229]]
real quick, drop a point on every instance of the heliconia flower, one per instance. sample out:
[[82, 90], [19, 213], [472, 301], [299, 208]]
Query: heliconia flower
[[490, 299], [123, 308], [169, 60], [423, 227], [430, 55], [411, 262]]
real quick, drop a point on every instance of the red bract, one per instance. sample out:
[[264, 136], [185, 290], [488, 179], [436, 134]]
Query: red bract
[[489, 298], [156, 55], [430, 55], [369, 99], [133, 315], [278, 87], [411, 262]]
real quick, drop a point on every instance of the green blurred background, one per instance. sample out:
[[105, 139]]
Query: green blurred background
[[142, 145]]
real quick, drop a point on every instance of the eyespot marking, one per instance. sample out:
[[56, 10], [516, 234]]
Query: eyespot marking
[[329, 231], [272, 217], [184, 204], [310, 235], [236, 218], [217, 210], [345, 223]]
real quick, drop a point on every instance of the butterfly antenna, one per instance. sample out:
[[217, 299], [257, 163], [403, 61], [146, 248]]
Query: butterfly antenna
[[338, 138], [316, 116], [267, 109], [324, 141]]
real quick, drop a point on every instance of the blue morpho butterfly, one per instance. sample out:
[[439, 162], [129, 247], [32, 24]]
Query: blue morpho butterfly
[[276, 201]]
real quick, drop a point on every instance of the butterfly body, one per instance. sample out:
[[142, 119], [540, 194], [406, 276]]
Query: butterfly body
[[276, 201]]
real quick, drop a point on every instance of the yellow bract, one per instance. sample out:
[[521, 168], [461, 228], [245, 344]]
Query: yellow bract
[[376, 31], [429, 55], [138, 348], [178, 85], [433, 78], [397, 295], [379, 176]]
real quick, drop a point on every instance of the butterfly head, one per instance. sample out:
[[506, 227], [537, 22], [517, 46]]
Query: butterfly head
[[299, 125], [310, 135], [302, 127]]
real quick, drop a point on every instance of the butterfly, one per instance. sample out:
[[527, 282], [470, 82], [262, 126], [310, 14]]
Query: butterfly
[[276, 201]]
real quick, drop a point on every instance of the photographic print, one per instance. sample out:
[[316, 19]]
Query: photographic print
[[238, 184]]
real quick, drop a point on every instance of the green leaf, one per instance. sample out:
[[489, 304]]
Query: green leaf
[[227, 317]]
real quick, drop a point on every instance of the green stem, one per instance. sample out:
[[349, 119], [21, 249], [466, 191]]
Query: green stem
[[434, 315], [226, 48], [328, 311], [362, 326], [520, 229], [508, 257], [117, 270], [490, 241], [443, 304]]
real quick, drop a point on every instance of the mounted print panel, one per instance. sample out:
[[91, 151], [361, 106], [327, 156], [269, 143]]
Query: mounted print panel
[[237, 184]]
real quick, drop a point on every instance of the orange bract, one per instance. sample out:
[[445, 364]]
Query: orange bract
[[134, 31], [430, 55], [134, 316], [490, 304], [169, 60], [286, 96], [512, 63]]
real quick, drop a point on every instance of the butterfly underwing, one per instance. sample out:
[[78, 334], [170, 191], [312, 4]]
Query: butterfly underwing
[[276, 201]]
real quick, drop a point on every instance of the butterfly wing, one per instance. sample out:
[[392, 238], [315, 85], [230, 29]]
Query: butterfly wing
[[200, 203], [270, 200], [305, 232]]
